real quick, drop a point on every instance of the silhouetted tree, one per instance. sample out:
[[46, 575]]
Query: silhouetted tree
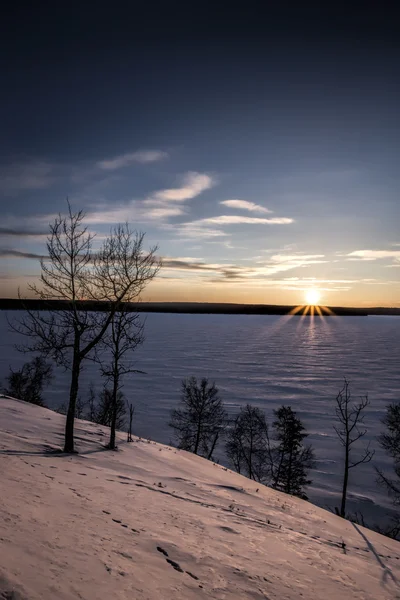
[[201, 418], [131, 410], [72, 272], [106, 410], [91, 404], [247, 445], [28, 382], [390, 442], [124, 335], [290, 458], [350, 416]]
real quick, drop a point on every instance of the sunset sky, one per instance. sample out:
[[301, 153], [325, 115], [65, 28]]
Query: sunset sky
[[259, 151]]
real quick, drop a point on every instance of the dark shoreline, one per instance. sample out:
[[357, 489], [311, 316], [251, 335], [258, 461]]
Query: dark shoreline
[[200, 308]]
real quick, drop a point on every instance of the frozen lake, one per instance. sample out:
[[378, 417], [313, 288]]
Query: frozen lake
[[266, 361]]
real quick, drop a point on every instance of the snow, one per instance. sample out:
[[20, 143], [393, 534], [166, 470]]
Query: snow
[[104, 524], [266, 361]]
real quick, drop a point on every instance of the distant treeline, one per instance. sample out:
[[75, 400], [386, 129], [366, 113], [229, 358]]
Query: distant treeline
[[195, 308]]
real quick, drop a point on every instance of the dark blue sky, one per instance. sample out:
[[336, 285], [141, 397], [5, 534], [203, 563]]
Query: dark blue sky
[[164, 115]]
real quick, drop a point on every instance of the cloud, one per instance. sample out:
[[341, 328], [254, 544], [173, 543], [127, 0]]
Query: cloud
[[124, 160], [295, 258], [245, 205], [237, 219], [160, 201], [4, 231], [193, 184], [262, 273], [188, 232], [31, 175], [162, 212], [8, 253], [373, 254]]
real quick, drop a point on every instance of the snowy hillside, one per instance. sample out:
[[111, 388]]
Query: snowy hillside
[[150, 522]]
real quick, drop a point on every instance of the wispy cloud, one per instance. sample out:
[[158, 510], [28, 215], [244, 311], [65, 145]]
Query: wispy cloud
[[189, 232], [8, 232], [237, 220], [297, 258], [30, 175], [124, 160], [193, 184], [158, 206], [263, 272], [8, 253], [373, 254], [245, 205], [162, 212]]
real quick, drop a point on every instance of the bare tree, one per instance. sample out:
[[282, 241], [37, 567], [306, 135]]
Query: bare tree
[[125, 334], [73, 272], [350, 417], [201, 419], [247, 445], [27, 383], [131, 410]]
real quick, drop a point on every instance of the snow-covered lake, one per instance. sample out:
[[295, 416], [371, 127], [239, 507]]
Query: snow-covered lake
[[266, 361]]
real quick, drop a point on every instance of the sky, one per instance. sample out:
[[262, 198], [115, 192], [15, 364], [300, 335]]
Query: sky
[[258, 149]]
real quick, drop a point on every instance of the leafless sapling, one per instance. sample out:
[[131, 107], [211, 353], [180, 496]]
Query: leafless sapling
[[350, 416], [124, 335]]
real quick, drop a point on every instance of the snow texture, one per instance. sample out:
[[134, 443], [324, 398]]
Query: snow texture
[[151, 522]]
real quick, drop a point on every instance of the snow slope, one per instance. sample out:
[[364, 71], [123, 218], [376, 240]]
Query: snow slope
[[106, 524]]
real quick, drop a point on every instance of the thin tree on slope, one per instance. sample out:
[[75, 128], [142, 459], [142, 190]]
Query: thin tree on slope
[[117, 273], [124, 335], [350, 417]]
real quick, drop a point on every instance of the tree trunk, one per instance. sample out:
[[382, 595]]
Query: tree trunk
[[289, 473], [130, 423], [111, 445], [197, 442], [213, 445], [345, 482], [251, 459], [73, 394]]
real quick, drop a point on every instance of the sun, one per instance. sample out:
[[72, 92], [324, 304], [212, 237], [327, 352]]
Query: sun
[[313, 296]]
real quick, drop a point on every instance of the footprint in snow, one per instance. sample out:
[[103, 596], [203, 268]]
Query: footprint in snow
[[228, 529], [120, 523], [174, 565]]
